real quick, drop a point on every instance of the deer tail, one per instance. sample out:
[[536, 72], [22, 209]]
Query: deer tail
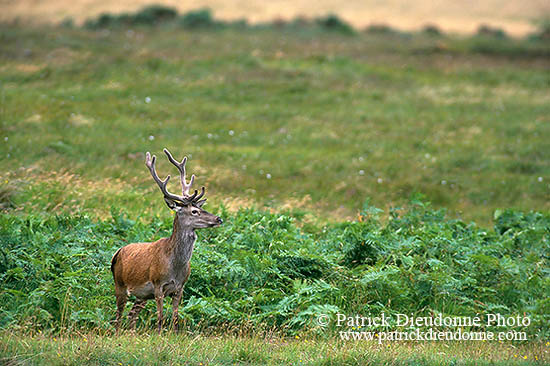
[[114, 260]]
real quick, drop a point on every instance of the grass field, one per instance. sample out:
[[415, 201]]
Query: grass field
[[305, 123], [196, 350], [287, 120]]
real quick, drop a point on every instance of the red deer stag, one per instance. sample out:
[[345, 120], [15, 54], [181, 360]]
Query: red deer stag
[[159, 269]]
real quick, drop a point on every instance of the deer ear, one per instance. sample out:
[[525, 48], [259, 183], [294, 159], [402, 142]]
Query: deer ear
[[200, 203], [171, 204]]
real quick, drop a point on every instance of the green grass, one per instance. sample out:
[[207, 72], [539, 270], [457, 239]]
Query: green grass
[[332, 118], [262, 271], [145, 349]]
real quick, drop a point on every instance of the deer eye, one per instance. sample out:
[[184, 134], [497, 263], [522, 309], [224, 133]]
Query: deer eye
[[194, 212]]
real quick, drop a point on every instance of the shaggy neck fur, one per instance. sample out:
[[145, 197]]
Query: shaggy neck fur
[[182, 242]]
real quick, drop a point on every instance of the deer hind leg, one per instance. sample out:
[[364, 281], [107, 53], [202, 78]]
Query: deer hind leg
[[121, 298], [159, 297], [134, 312], [176, 298]]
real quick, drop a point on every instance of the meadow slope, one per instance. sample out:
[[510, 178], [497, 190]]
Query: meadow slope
[[299, 134], [285, 119]]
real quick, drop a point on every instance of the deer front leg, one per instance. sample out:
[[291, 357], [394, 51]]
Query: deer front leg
[[175, 304], [159, 297]]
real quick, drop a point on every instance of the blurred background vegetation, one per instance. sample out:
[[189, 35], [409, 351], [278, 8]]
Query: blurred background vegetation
[[320, 143], [308, 114]]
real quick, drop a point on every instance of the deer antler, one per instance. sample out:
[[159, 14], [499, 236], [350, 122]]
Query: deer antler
[[150, 162], [181, 167], [184, 185]]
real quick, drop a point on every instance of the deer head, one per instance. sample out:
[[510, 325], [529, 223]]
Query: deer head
[[188, 207]]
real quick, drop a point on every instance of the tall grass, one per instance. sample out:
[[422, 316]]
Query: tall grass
[[266, 271], [91, 348]]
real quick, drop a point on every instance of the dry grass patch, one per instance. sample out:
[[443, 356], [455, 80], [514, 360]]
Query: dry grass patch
[[467, 93], [514, 16]]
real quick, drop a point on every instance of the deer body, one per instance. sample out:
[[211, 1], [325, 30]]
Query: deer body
[[161, 268]]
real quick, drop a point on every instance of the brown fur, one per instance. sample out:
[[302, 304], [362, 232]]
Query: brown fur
[[149, 263], [158, 269], [161, 268]]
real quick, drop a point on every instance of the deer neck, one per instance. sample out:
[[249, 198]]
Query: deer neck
[[182, 242]]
